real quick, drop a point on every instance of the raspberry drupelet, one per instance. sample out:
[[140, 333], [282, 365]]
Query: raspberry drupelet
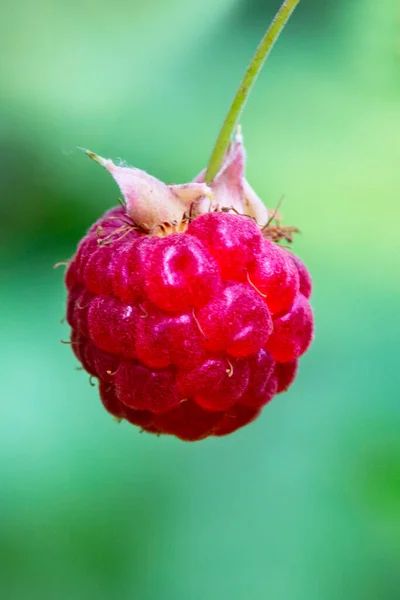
[[182, 307]]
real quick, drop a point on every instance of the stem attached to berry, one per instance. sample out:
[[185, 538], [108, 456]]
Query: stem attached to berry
[[245, 86]]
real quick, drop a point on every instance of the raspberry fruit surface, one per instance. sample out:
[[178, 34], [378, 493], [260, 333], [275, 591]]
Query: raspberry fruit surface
[[191, 325]]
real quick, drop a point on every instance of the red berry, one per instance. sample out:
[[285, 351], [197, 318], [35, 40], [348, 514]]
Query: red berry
[[189, 317]]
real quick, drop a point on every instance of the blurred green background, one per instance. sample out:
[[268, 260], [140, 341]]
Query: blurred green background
[[304, 504]]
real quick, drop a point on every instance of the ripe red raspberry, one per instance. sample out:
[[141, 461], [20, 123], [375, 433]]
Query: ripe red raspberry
[[189, 316]]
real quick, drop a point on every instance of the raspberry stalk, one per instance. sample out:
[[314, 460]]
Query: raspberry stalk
[[245, 86]]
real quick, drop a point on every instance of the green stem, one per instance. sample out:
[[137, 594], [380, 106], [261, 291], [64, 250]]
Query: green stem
[[245, 86]]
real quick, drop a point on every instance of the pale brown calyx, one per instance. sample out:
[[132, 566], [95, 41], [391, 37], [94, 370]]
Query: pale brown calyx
[[150, 202], [161, 209], [230, 188]]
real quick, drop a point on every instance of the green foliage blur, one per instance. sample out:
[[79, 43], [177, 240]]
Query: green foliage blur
[[304, 504]]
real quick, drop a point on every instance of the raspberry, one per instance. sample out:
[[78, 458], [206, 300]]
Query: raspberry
[[191, 318]]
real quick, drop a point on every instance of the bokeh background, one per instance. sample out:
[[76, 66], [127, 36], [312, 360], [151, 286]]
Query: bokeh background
[[304, 504]]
